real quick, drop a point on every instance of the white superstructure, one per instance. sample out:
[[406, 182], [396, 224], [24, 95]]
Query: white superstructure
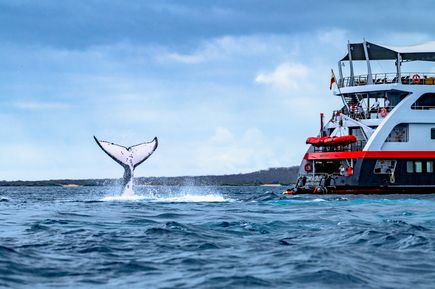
[[383, 138]]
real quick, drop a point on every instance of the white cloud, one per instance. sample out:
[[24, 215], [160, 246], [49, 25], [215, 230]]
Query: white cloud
[[228, 152], [335, 38], [284, 76], [40, 105], [405, 39], [46, 160], [229, 47], [185, 58]]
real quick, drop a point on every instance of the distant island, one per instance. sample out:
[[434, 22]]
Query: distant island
[[272, 176]]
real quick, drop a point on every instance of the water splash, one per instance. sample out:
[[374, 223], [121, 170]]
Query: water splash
[[167, 194], [189, 193], [127, 194]]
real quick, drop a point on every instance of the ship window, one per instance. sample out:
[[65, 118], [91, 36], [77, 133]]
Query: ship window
[[409, 167], [399, 133], [426, 101], [432, 133], [418, 167], [429, 166]]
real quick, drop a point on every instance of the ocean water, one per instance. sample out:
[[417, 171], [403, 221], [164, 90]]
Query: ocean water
[[213, 237]]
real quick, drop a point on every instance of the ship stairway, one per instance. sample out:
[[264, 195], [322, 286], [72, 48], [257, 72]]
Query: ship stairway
[[351, 98]]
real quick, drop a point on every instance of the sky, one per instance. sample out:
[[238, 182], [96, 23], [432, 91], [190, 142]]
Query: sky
[[228, 86]]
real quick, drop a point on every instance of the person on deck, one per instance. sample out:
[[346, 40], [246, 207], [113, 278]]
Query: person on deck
[[342, 170], [360, 111], [387, 103], [375, 107], [353, 110]]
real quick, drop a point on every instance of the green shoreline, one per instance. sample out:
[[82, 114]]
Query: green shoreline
[[272, 176]]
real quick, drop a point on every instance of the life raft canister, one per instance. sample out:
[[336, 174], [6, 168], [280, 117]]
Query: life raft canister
[[383, 112], [308, 167], [416, 78]]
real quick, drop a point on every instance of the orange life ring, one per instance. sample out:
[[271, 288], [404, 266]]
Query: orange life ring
[[416, 78], [308, 167], [383, 112], [353, 107]]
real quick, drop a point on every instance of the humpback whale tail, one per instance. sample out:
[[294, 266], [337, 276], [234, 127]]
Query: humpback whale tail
[[129, 158]]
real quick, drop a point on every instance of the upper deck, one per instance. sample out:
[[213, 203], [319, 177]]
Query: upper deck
[[407, 78], [364, 95], [369, 52]]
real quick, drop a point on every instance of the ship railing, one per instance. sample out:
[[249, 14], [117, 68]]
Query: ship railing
[[320, 175], [371, 113], [315, 179], [356, 146], [320, 179], [409, 78]]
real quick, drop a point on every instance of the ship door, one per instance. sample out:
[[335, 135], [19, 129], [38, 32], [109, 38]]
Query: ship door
[[386, 167]]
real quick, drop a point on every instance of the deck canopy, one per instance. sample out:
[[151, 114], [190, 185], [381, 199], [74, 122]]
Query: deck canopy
[[424, 52]]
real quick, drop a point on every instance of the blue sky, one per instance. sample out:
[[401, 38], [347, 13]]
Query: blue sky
[[227, 86]]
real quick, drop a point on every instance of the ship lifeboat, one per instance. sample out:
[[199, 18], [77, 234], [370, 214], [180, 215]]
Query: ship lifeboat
[[331, 140], [316, 141]]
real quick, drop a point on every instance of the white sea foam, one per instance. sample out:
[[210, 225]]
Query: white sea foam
[[123, 198], [194, 198], [170, 194], [188, 193], [168, 197]]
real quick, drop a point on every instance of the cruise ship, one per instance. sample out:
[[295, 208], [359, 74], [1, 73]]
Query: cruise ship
[[383, 138]]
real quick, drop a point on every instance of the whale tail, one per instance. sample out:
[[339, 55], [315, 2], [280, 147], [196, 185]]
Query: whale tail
[[128, 157]]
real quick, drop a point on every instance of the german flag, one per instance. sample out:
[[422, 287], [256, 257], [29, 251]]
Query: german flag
[[332, 80]]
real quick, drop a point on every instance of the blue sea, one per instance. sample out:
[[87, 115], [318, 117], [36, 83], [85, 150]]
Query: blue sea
[[213, 237]]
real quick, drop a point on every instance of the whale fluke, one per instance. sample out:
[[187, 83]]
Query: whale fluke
[[129, 158]]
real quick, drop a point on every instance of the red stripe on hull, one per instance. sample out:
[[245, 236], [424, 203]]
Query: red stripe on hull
[[367, 191], [371, 155]]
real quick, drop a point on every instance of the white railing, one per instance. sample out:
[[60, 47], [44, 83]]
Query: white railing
[[411, 78]]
